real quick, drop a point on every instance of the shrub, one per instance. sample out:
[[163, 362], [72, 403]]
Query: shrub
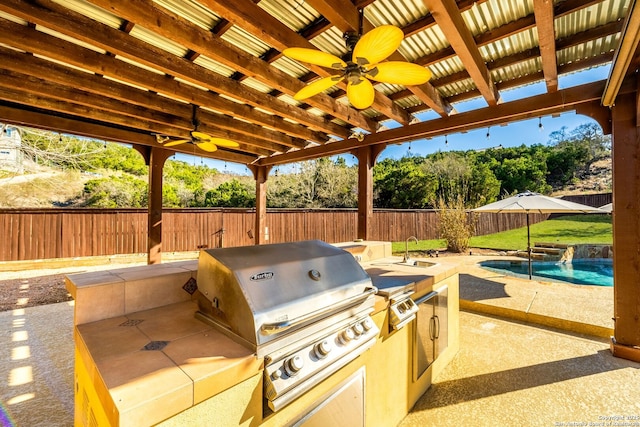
[[456, 225]]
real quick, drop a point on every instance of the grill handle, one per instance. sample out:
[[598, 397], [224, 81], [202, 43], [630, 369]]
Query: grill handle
[[276, 327]]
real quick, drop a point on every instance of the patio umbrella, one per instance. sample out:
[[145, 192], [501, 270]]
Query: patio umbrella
[[529, 202], [608, 208]]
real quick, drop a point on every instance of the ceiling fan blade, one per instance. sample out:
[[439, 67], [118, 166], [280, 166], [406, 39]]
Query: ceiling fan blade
[[207, 146], [221, 142], [200, 136], [316, 87], [176, 142], [361, 95], [378, 44], [400, 73], [313, 56]]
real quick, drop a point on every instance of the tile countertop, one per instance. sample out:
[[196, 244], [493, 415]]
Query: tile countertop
[[391, 276], [159, 362]]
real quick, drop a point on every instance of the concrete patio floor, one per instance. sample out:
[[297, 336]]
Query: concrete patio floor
[[508, 372]]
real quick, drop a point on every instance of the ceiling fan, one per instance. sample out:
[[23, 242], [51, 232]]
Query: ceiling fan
[[200, 139], [362, 63]]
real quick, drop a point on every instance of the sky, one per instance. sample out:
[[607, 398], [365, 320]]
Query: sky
[[513, 134]]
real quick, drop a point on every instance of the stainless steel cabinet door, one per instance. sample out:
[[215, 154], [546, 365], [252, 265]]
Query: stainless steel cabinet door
[[431, 331]]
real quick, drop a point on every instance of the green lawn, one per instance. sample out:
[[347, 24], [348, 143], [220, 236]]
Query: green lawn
[[572, 229]]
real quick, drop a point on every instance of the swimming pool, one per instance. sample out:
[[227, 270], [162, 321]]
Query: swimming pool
[[597, 272]]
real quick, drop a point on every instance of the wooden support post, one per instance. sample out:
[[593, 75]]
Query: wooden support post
[[626, 229], [366, 160], [261, 174], [154, 158]]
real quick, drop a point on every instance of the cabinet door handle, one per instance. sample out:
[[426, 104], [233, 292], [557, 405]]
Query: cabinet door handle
[[436, 321], [432, 326]]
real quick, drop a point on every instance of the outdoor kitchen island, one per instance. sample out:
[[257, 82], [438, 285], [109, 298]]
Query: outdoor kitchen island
[[143, 358]]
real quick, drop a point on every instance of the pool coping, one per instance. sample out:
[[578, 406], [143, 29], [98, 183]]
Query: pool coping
[[580, 309]]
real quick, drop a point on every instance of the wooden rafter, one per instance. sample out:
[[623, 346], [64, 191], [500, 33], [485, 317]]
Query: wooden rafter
[[450, 21], [56, 99], [75, 25], [134, 83], [543, 11], [153, 16], [34, 41], [247, 15], [43, 119], [144, 101]]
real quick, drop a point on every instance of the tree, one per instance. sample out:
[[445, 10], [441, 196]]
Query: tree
[[231, 194], [118, 191], [403, 184]]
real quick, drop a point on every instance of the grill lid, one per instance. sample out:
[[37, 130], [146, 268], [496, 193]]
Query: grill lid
[[261, 292]]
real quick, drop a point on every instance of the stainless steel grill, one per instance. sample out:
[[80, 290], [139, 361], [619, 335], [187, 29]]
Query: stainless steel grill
[[305, 307]]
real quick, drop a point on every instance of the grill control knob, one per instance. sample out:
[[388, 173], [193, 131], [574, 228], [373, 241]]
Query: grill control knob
[[276, 374], [293, 365], [322, 349], [357, 329], [367, 324], [347, 335]]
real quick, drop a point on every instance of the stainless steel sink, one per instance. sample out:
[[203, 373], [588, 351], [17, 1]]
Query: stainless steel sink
[[417, 263]]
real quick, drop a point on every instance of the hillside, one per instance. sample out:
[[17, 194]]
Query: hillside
[[597, 179], [42, 187]]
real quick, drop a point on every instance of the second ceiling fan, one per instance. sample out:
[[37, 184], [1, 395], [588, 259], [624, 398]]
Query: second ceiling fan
[[362, 64], [202, 140]]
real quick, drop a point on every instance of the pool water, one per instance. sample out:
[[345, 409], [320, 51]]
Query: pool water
[[597, 272]]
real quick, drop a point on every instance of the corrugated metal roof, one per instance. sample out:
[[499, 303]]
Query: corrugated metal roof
[[158, 41], [295, 14], [588, 50], [495, 13], [483, 18], [425, 42], [515, 71], [192, 11], [213, 65], [91, 11], [398, 13], [245, 41], [516, 43], [330, 41], [455, 88], [590, 17]]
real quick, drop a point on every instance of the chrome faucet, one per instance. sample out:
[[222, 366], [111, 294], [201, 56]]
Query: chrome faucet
[[406, 248]]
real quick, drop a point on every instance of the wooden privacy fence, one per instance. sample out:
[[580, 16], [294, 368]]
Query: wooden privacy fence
[[67, 233], [27, 234]]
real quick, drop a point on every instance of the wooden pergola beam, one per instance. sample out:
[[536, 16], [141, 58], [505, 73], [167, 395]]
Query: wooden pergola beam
[[32, 117], [152, 16], [545, 104], [34, 41], [54, 16], [22, 89], [522, 24], [450, 21], [543, 11], [100, 88]]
